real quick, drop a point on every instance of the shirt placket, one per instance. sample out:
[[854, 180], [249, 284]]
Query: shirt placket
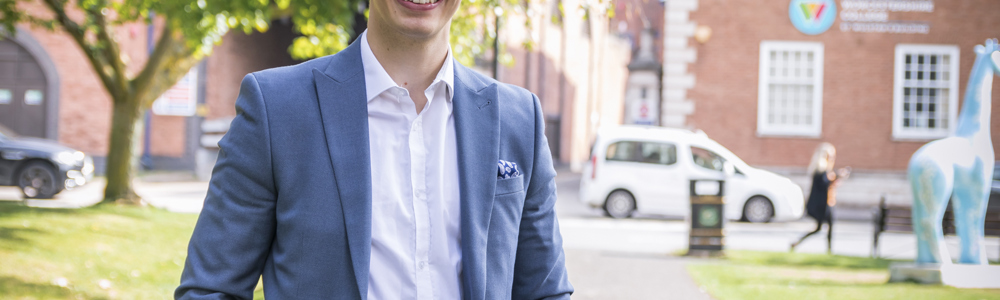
[[418, 175]]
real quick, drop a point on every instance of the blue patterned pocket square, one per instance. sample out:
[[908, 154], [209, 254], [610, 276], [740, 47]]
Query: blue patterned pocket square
[[506, 169]]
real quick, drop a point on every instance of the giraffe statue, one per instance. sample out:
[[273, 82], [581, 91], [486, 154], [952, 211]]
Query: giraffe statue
[[958, 167]]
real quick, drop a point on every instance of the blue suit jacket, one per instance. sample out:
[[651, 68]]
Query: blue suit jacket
[[290, 196]]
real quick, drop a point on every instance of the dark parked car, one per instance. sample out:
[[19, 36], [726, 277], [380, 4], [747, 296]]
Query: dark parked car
[[40, 167]]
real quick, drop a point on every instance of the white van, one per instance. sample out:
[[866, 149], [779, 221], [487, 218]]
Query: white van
[[648, 169]]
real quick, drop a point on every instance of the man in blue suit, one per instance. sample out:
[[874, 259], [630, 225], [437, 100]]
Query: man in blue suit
[[386, 171]]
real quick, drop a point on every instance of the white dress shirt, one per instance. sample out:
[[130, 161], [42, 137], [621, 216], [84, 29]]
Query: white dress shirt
[[416, 238]]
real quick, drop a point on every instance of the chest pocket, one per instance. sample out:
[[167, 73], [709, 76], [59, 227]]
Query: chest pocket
[[505, 219], [510, 185]]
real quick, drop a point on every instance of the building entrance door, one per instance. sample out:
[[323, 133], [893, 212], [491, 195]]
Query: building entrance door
[[22, 91]]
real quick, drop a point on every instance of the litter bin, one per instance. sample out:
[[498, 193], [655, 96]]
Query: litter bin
[[707, 235]]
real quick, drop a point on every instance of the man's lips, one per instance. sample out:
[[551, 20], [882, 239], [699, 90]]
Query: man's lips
[[431, 4]]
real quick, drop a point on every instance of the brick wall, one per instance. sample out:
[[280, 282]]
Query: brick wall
[[857, 87], [238, 55], [631, 15]]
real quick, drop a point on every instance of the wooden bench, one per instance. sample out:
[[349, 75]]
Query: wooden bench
[[899, 219]]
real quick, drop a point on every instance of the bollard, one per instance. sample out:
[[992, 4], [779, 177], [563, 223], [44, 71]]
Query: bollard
[[707, 237]]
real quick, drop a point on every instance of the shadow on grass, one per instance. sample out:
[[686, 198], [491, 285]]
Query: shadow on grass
[[15, 209], [808, 260], [12, 238], [15, 288]]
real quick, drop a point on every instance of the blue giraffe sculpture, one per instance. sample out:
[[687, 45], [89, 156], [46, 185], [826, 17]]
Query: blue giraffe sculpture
[[958, 167]]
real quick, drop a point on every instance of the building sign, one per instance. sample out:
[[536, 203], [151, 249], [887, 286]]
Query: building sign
[[181, 99], [873, 16], [643, 112], [812, 17]]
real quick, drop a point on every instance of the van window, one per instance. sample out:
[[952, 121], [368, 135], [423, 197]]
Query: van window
[[707, 159], [642, 152], [659, 153], [622, 151]]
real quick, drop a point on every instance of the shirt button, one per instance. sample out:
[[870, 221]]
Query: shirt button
[[422, 265]]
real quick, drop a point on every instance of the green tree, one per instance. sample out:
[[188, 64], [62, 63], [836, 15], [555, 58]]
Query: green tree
[[189, 30]]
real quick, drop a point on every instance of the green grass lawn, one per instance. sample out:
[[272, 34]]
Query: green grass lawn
[[137, 253], [775, 275]]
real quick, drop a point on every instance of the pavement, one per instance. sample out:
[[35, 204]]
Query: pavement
[[615, 275], [175, 196], [606, 258]]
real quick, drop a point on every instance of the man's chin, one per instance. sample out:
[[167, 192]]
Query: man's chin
[[420, 29]]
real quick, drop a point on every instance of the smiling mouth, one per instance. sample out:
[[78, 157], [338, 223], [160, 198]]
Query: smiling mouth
[[422, 1]]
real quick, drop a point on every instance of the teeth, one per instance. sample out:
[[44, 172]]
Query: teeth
[[423, 1]]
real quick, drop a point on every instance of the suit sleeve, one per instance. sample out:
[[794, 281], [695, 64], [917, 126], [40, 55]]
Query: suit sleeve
[[539, 267], [233, 235]]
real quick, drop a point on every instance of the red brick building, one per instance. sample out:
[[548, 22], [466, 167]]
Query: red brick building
[[885, 78]]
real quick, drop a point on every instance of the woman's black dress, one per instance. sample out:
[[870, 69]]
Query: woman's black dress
[[817, 206]]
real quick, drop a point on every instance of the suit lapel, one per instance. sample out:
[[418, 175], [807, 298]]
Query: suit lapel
[[477, 128], [344, 109]]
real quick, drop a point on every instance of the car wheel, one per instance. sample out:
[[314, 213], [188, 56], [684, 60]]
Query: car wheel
[[758, 210], [620, 204], [38, 180]]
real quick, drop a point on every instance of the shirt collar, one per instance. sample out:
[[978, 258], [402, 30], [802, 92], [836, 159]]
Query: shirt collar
[[377, 80]]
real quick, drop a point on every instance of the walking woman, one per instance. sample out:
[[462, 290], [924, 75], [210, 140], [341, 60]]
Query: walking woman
[[822, 194]]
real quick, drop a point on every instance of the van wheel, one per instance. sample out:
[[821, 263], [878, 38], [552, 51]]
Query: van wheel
[[620, 204], [758, 210], [38, 180]]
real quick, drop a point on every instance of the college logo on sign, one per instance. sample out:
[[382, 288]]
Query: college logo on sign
[[812, 16]]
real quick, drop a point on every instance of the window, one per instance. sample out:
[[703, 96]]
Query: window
[[925, 93], [623, 151], [707, 159], [33, 97], [642, 152], [658, 153], [790, 90]]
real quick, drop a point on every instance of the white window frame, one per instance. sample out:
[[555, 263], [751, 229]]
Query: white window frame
[[763, 91], [902, 133]]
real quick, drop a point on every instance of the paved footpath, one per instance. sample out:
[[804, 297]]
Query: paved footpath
[[615, 275], [181, 196]]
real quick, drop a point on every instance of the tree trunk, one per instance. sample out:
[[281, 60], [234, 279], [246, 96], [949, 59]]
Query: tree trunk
[[121, 161]]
